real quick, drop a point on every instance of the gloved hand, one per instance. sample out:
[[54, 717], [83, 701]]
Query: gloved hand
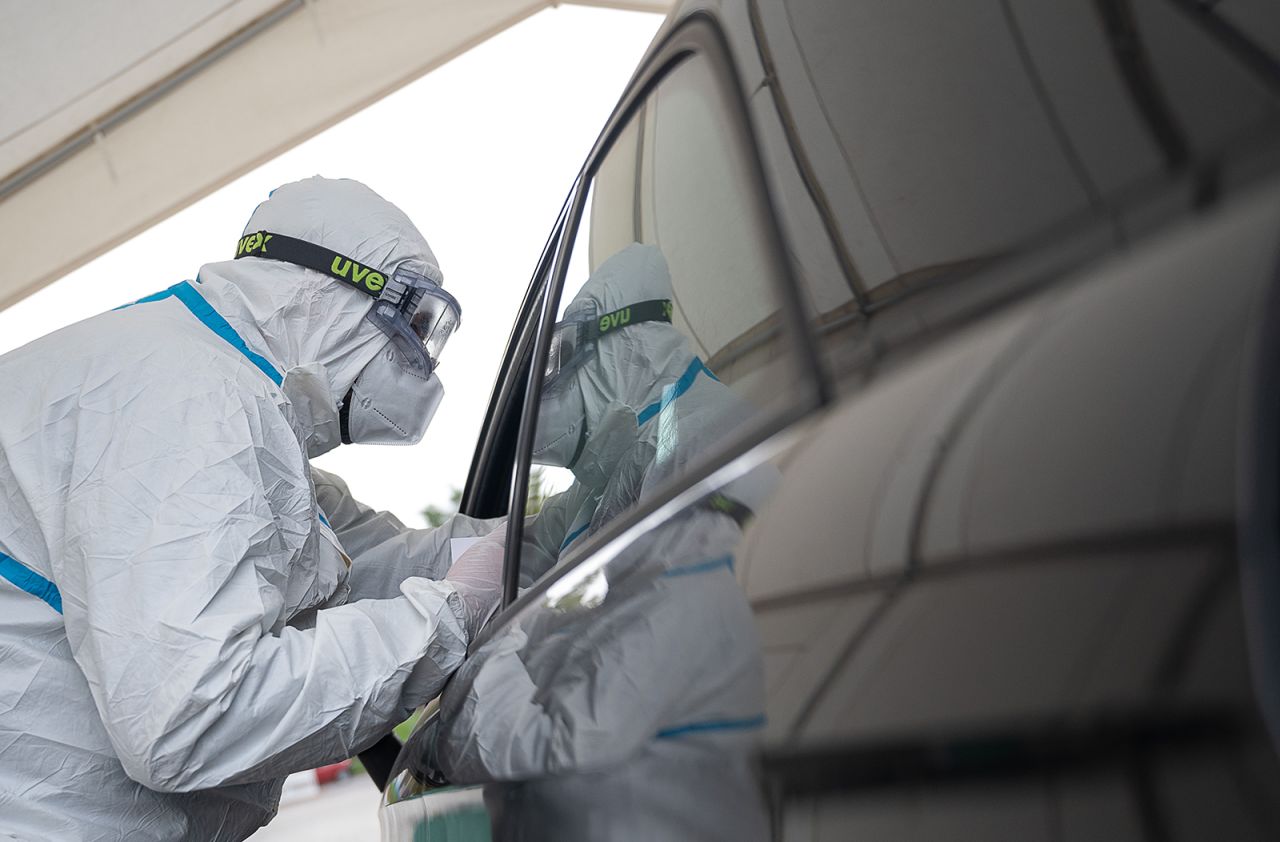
[[477, 577]]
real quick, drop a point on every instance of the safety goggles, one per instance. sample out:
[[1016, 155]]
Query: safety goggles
[[574, 339], [410, 308], [418, 316]]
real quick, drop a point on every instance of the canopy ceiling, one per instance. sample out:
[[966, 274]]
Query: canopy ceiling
[[99, 100]]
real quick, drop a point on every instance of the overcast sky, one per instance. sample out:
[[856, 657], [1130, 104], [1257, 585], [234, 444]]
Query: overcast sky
[[479, 153]]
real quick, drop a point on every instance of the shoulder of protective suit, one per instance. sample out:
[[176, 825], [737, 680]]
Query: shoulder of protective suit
[[162, 340], [149, 365]]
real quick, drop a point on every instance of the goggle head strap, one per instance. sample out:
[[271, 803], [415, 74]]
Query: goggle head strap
[[351, 272], [654, 310]]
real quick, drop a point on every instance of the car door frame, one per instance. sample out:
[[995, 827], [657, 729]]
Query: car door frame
[[488, 488]]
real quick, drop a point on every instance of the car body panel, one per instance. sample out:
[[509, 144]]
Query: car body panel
[[1106, 430]]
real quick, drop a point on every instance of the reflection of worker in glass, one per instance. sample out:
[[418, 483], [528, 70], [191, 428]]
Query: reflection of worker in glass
[[631, 717], [625, 403]]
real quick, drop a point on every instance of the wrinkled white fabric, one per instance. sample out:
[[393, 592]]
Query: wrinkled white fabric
[[632, 719], [154, 474], [307, 388], [629, 708], [386, 552]]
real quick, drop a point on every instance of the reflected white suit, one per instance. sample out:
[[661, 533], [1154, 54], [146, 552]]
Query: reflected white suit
[[633, 717]]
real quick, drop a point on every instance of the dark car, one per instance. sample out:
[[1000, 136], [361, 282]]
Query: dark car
[[941, 500]]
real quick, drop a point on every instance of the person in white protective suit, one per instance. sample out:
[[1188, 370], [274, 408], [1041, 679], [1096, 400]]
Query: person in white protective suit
[[629, 707], [173, 631]]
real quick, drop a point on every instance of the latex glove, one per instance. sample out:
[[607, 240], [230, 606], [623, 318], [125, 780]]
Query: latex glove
[[477, 577]]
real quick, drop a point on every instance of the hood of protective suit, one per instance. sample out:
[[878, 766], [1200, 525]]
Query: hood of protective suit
[[631, 365], [650, 406], [310, 326]]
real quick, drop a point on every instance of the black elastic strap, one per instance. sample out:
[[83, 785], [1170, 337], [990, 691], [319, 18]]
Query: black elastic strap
[[582, 444], [656, 310], [740, 512], [353, 273], [344, 418]]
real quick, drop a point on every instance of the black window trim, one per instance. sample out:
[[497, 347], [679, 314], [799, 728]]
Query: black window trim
[[698, 34], [1258, 489]]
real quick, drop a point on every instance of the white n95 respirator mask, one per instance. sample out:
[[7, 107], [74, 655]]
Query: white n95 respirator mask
[[561, 429], [391, 401]]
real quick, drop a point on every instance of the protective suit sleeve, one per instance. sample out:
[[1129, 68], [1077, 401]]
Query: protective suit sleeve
[[545, 533], [629, 673], [384, 551], [358, 527], [173, 569]]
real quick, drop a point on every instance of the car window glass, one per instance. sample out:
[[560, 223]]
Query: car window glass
[[668, 336]]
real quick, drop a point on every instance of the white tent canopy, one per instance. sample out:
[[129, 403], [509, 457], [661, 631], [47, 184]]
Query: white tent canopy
[[117, 115]]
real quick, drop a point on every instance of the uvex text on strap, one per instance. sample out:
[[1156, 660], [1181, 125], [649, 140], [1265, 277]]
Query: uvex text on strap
[[368, 280], [717, 502], [655, 310]]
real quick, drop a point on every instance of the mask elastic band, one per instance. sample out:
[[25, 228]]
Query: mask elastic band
[[344, 417], [582, 445]]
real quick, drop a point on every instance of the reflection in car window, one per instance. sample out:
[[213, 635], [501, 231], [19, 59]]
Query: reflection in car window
[[627, 699], [668, 335]]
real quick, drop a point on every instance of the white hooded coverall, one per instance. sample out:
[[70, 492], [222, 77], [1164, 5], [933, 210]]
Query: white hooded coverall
[[172, 628]]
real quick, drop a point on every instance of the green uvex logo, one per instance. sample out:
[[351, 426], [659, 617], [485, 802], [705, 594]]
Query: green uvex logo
[[349, 270], [615, 320], [251, 243]]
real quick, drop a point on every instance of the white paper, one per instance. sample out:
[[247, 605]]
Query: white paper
[[458, 546]]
